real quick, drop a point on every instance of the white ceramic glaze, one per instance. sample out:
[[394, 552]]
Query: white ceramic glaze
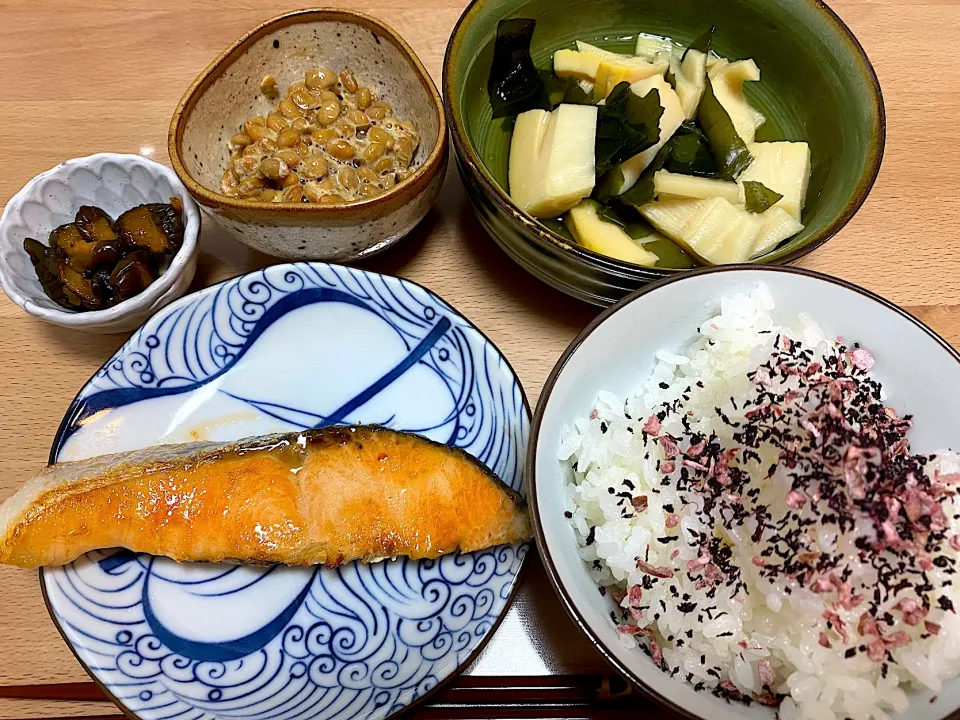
[[279, 350], [920, 372], [115, 183]]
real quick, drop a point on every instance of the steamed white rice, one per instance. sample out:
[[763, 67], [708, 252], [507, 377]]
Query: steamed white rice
[[761, 627]]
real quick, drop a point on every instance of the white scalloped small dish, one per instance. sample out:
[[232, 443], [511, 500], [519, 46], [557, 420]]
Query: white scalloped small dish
[[115, 183]]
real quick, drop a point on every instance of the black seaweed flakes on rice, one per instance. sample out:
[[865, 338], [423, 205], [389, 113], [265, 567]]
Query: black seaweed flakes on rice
[[728, 494]]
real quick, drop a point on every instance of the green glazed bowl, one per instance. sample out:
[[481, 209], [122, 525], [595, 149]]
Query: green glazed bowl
[[817, 85]]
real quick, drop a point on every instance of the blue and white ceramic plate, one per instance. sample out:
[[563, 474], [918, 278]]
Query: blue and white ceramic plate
[[290, 347]]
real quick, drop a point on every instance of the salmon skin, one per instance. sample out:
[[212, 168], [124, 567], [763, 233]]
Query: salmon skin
[[322, 496]]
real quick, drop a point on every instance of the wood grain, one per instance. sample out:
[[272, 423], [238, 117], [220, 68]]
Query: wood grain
[[89, 75], [496, 698]]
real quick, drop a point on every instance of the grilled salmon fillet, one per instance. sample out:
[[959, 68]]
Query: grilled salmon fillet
[[322, 496]]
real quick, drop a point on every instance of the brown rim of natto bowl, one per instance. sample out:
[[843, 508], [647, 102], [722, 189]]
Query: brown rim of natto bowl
[[476, 167], [531, 474], [396, 197]]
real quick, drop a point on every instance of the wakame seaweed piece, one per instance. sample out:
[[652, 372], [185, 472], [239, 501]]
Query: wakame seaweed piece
[[643, 190], [729, 150], [612, 214], [687, 152], [669, 254], [558, 90], [636, 226], [680, 154], [758, 197], [514, 85], [703, 43], [559, 227], [626, 125], [690, 153], [575, 94], [608, 185]]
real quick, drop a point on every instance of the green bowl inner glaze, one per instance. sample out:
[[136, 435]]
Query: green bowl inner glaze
[[816, 83]]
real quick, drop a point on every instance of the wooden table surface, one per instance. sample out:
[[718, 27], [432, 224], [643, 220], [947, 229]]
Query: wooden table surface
[[87, 76]]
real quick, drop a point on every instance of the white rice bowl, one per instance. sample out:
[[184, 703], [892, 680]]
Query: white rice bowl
[[759, 629]]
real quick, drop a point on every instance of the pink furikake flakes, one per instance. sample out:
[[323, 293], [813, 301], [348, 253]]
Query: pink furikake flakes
[[781, 541]]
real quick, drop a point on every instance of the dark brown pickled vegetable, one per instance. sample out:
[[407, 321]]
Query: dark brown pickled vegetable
[[170, 219], [78, 289], [93, 262], [47, 267], [83, 254], [76, 249], [95, 225], [36, 250], [131, 276], [106, 254], [157, 228], [66, 237], [100, 281], [139, 230]]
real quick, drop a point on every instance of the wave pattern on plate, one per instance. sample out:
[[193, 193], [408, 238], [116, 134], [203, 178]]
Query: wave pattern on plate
[[367, 640], [359, 641]]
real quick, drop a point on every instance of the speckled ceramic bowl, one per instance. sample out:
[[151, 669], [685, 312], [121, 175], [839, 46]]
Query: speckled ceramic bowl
[[228, 92], [114, 183]]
